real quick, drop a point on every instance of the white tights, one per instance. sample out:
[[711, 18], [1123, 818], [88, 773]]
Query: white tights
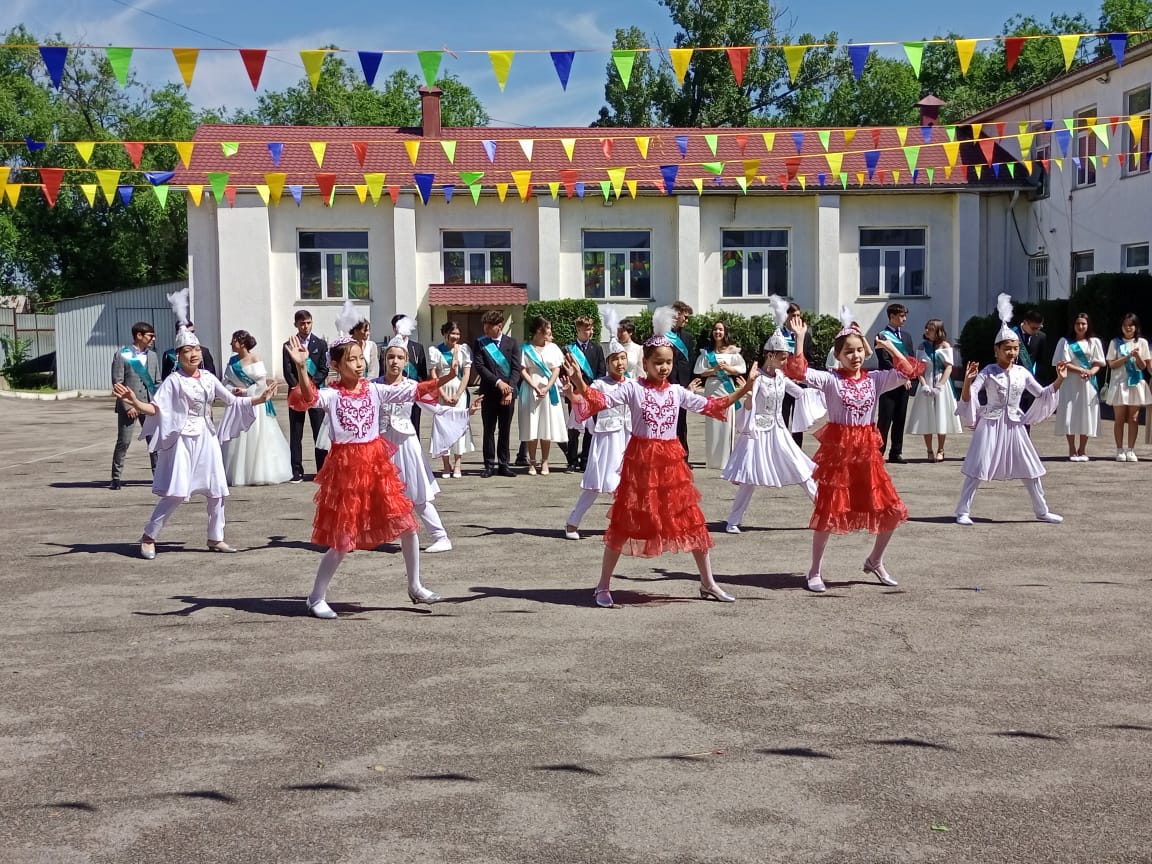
[[409, 547], [431, 519], [744, 498], [587, 499], [165, 507], [971, 484]]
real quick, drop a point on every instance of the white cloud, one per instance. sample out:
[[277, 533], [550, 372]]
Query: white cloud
[[584, 30]]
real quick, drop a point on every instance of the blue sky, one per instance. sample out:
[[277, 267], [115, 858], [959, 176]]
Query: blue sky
[[533, 95]]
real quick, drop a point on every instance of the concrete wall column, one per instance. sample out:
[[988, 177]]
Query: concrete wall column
[[407, 290], [824, 296], [688, 261], [548, 244]]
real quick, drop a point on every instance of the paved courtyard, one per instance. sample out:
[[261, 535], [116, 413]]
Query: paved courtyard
[[994, 708]]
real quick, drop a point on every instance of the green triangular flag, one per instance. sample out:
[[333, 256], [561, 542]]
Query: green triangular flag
[[624, 60], [742, 182], [161, 194], [950, 131], [606, 188], [1093, 160], [218, 179], [915, 53], [713, 167], [1011, 169], [844, 179], [711, 139], [931, 172], [430, 63], [230, 148], [912, 154], [449, 150], [474, 188], [468, 178], [119, 58], [824, 136]]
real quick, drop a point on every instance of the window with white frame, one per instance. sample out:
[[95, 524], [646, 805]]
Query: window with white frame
[[1083, 266], [1041, 160], [1085, 147], [755, 262], [1038, 277], [893, 261], [477, 257], [1135, 258], [333, 265], [618, 264], [1136, 158]]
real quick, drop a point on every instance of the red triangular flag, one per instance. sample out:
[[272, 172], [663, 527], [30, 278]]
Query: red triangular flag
[[783, 178], [326, 181], [879, 173], [135, 151], [1113, 122], [1046, 164], [738, 57], [792, 163], [230, 195], [254, 62], [987, 147], [394, 193], [51, 178], [606, 146], [569, 177], [741, 142], [875, 138], [999, 127], [361, 149], [1012, 47]]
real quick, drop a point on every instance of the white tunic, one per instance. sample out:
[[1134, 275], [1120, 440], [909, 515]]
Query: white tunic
[[1001, 448], [540, 419], [765, 454], [1079, 409], [1120, 392], [610, 430], [932, 410], [719, 435]]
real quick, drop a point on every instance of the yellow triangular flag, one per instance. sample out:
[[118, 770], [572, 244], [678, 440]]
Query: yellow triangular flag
[[642, 142], [523, 181], [1136, 124], [526, 146], [89, 190], [501, 63], [699, 184], [1025, 139], [965, 48], [196, 190], [794, 56], [1028, 166], [834, 161], [85, 148], [979, 170], [1104, 160], [375, 185], [313, 62], [108, 180], [859, 178], [1059, 164], [902, 134], [616, 175], [318, 149], [895, 177], [186, 62], [769, 141], [680, 58], [1068, 45], [849, 134], [803, 178], [952, 149], [631, 184], [275, 183], [12, 193], [569, 144], [184, 148], [361, 192], [554, 188], [977, 128], [264, 192], [413, 148], [501, 191], [751, 166]]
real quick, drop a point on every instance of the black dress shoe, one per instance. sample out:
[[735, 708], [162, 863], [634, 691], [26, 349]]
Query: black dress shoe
[[115, 485], [505, 471], [487, 472], [297, 478], [897, 460]]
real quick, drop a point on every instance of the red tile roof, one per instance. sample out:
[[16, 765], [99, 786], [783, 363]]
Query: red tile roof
[[385, 151], [478, 295]]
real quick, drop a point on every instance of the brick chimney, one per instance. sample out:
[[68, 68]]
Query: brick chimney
[[930, 110], [430, 111]]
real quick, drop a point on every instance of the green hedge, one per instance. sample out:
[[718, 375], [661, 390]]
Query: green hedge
[[563, 315]]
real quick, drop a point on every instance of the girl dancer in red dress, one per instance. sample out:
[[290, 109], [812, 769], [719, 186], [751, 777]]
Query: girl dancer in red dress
[[657, 507], [854, 491]]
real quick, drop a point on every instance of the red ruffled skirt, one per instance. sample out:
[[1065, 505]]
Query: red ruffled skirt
[[360, 503], [657, 506], [854, 491]]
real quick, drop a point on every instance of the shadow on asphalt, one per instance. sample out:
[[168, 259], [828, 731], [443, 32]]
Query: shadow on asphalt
[[563, 596], [281, 607], [797, 752], [912, 742], [125, 550]]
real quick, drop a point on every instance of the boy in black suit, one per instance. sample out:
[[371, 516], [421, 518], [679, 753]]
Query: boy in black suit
[[590, 356], [682, 364], [496, 359], [892, 407], [317, 371]]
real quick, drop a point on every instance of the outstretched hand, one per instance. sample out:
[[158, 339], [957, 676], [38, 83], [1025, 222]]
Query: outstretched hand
[[797, 325], [124, 394], [970, 372], [297, 352]]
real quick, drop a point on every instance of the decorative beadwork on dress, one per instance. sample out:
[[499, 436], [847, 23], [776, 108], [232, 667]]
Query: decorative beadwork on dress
[[658, 408], [859, 398], [356, 411]]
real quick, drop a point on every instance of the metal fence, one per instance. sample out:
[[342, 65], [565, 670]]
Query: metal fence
[[37, 329]]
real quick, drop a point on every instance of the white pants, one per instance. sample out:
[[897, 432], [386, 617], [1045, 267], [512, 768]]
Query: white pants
[[971, 484], [431, 519], [744, 498], [165, 507], [586, 499]]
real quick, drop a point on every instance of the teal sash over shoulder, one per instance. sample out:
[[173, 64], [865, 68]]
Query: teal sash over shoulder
[[140, 368], [247, 380], [553, 393], [493, 351], [1082, 359]]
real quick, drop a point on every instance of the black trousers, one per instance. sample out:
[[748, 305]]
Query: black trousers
[[497, 421], [890, 416], [787, 406], [682, 430], [416, 412], [577, 453], [296, 437]]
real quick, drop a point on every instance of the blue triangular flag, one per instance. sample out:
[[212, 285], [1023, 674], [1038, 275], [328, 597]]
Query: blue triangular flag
[[1063, 138], [820, 179], [871, 159], [926, 134], [1048, 125], [579, 189], [798, 140], [682, 143], [34, 145], [370, 63], [562, 60], [669, 172], [1117, 41], [125, 193], [1076, 162], [448, 190], [424, 185], [54, 57], [858, 54], [297, 193], [159, 178], [490, 149], [996, 169], [915, 174], [717, 180], [275, 148]]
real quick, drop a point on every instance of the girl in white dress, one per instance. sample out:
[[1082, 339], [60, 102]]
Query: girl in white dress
[[1001, 448], [625, 330], [933, 408], [765, 454], [541, 411], [1079, 411], [719, 368], [450, 351], [180, 431], [362, 333], [610, 430], [259, 456], [1128, 358]]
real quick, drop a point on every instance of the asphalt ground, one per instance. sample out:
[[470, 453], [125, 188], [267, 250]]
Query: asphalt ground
[[993, 708]]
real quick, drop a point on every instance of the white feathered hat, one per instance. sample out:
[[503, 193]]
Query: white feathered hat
[[179, 301], [609, 322], [663, 319], [778, 309], [1004, 310], [184, 338], [777, 342], [346, 320]]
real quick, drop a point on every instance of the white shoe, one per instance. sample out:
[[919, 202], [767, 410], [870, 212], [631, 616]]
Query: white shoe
[[1120, 457], [425, 596], [570, 533], [732, 529], [320, 609], [880, 573], [456, 475], [963, 519], [441, 545], [1054, 518], [815, 584], [1130, 456], [1081, 458], [446, 475], [603, 598]]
